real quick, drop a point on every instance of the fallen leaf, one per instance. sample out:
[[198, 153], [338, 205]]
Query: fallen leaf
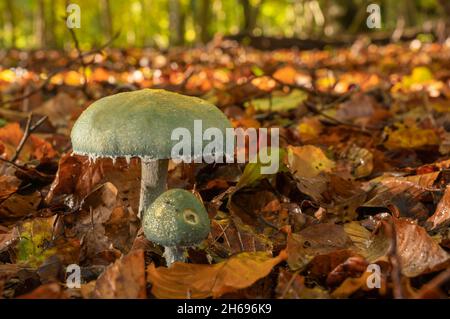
[[308, 161], [410, 137], [252, 171], [201, 281], [77, 177], [124, 279], [59, 110], [418, 252], [310, 129], [313, 241], [279, 102], [441, 216], [8, 185], [18, 205]]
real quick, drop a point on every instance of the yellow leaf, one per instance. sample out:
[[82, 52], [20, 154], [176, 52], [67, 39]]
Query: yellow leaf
[[279, 101], [310, 128], [410, 137], [253, 171], [308, 161], [201, 281]]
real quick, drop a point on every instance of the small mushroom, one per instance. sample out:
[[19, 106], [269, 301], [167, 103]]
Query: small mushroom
[[176, 220], [140, 124]]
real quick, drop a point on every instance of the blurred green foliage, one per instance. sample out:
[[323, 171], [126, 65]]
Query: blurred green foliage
[[160, 23]]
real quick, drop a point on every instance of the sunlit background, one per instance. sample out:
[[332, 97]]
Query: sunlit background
[[160, 23]]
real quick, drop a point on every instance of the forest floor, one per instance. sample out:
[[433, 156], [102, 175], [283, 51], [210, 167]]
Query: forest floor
[[360, 207]]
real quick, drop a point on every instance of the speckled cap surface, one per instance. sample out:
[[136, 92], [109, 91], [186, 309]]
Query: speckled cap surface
[[176, 218], [140, 123]]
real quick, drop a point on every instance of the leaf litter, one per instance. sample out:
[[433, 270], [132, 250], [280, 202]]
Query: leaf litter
[[363, 180]]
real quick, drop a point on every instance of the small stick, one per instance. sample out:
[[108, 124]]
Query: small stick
[[83, 64], [434, 284], [28, 130], [393, 258]]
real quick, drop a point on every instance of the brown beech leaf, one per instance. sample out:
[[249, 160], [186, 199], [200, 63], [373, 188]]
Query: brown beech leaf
[[10, 136], [418, 252], [183, 280], [404, 193], [441, 216], [123, 279], [315, 240], [77, 177], [59, 110], [17, 206], [103, 225], [8, 185]]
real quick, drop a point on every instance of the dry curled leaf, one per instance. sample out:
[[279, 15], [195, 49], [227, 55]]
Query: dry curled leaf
[[418, 252], [78, 176], [441, 216]]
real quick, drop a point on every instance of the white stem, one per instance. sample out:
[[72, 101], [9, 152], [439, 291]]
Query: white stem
[[173, 254], [153, 182]]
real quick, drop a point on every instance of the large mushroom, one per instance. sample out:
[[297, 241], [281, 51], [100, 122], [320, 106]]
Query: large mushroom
[[140, 124], [176, 220]]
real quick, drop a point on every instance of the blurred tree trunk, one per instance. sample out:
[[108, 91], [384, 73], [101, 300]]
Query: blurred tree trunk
[[40, 25], [143, 34], [445, 4], [202, 17], [51, 25], [10, 23], [2, 27], [176, 23], [107, 24], [250, 16]]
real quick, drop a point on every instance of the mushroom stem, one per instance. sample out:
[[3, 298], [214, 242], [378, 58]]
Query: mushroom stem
[[173, 254], [153, 182]]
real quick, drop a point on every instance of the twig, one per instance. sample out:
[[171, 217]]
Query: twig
[[394, 260], [434, 284], [289, 284], [28, 130], [83, 64], [11, 163], [314, 110]]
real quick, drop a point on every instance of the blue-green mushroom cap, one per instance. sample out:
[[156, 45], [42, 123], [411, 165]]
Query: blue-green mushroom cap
[[140, 124], [176, 218]]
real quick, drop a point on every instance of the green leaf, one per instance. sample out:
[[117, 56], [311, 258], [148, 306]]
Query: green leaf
[[252, 171], [257, 71], [279, 102]]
